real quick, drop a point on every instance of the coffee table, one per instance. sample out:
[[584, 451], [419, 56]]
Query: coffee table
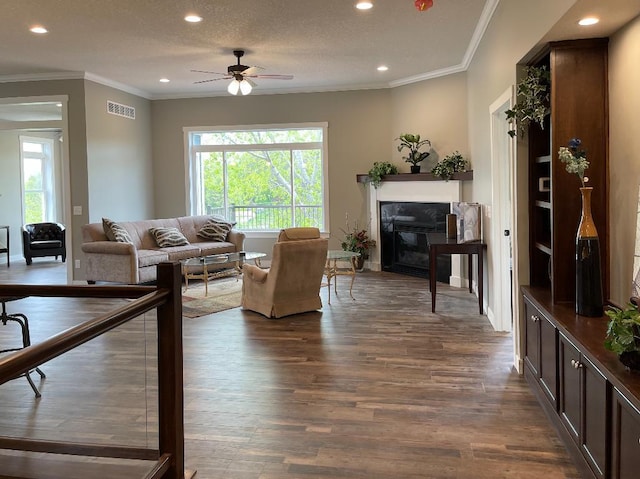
[[216, 266]]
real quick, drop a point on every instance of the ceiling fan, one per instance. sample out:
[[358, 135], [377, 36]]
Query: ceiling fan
[[240, 76]]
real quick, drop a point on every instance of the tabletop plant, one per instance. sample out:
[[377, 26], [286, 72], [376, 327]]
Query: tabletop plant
[[356, 239]]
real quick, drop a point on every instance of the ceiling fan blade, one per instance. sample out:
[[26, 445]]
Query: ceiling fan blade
[[209, 73], [213, 79], [275, 77], [251, 71], [250, 82]]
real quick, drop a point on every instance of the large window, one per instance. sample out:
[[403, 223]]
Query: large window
[[38, 195], [263, 178]]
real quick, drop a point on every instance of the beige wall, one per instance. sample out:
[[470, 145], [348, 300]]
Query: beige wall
[[74, 90], [516, 28], [359, 134], [624, 156], [119, 162], [437, 110], [10, 204]]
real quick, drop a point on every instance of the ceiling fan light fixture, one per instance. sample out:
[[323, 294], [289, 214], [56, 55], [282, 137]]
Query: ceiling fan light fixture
[[234, 87], [245, 87]]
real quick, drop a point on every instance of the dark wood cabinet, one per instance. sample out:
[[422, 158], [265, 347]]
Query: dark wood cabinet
[[578, 109], [541, 352], [625, 438], [583, 404], [597, 412]]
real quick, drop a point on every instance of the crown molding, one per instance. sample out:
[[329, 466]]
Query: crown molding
[[117, 85], [489, 8]]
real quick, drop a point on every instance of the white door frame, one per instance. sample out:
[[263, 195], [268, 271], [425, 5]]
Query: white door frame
[[503, 214]]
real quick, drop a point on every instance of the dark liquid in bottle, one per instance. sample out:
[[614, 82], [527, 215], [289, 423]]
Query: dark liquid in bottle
[[588, 278]]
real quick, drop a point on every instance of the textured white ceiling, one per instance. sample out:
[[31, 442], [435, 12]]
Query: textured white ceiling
[[326, 45]]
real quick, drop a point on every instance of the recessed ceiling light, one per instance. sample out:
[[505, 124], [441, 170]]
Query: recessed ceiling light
[[164, 80], [588, 21], [193, 18], [383, 68], [362, 5], [38, 29]]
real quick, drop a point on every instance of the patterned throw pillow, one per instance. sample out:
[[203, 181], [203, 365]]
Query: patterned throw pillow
[[168, 237], [216, 229], [115, 232]]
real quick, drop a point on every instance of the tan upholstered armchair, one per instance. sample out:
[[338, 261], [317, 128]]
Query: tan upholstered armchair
[[292, 284]]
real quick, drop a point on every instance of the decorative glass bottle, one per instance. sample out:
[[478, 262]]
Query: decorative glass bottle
[[589, 300]]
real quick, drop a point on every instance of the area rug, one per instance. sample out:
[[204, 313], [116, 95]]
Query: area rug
[[224, 293]]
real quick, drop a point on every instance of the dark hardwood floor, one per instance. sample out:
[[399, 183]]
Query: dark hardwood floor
[[373, 388]]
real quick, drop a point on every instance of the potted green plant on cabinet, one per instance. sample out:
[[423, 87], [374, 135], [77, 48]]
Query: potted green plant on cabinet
[[532, 95], [623, 335]]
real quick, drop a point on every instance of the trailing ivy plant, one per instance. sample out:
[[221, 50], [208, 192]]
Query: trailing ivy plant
[[379, 169], [532, 95], [449, 165]]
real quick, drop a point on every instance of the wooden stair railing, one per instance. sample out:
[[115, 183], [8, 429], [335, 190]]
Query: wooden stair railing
[[167, 299]]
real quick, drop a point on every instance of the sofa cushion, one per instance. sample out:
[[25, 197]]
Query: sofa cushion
[[217, 229], [177, 253], [115, 232], [215, 247], [166, 237], [151, 257]]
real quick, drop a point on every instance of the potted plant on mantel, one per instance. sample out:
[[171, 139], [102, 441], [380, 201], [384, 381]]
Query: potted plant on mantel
[[413, 143], [449, 165], [380, 169]]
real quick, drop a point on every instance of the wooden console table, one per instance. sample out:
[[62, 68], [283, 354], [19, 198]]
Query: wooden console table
[[4, 248], [440, 244]]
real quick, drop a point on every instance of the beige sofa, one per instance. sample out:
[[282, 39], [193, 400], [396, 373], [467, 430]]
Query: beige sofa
[[136, 262]]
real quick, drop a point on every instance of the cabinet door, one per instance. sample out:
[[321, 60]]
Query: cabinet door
[[532, 334], [569, 387], [549, 360], [626, 439], [594, 432]]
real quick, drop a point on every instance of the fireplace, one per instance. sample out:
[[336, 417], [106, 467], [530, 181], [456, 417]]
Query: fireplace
[[403, 238], [406, 188]]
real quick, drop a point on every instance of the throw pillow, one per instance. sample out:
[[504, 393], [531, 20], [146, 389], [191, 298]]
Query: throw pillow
[[215, 229], [115, 232], [168, 237]]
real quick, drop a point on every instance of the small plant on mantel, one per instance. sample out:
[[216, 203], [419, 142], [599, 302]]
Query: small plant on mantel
[[378, 170], [532, 94], [449, 165]]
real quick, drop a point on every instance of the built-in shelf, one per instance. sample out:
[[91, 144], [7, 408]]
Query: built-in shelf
[[543, 204], [543, 159], [462, 176], [544, 248]]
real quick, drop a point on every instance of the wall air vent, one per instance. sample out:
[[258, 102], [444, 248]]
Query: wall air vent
[[118, 109]]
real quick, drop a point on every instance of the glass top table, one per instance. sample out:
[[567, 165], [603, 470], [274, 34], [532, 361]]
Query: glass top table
[[332, 270], [216, 266]]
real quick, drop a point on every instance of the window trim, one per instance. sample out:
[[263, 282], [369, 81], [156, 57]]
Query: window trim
[[48, 187], [190, 192]]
